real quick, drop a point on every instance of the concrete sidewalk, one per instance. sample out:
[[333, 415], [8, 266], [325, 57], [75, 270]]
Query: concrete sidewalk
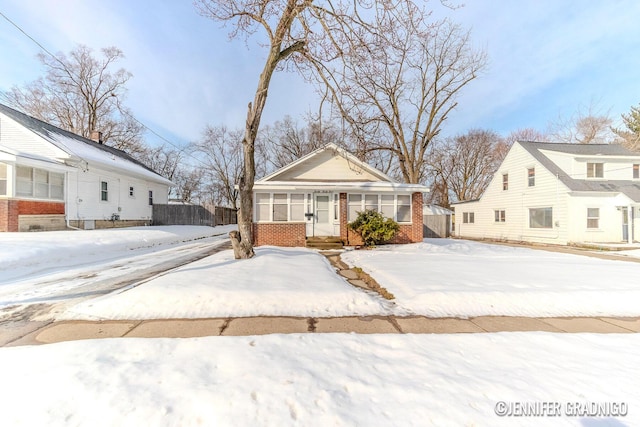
[[187, 328]]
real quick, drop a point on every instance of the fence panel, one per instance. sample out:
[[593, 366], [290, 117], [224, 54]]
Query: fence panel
[[436, 226]]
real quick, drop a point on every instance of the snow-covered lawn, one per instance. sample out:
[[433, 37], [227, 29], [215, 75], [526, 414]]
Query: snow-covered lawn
[[323, 380], [30, 254], [458, 278], [276, 282]]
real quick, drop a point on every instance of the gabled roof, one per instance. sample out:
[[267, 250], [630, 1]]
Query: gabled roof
[[82, 148], [334, 168], [305, 160], [627, 187]]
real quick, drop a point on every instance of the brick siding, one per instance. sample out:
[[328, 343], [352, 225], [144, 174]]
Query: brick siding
[[32, 207], [285, 234], [8, 215]]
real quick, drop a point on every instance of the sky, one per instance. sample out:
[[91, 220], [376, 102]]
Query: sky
[[546, 59]]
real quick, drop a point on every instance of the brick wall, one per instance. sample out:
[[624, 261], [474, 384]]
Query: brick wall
[[285, 234], [8, 215], [408, 233], [32, 207]]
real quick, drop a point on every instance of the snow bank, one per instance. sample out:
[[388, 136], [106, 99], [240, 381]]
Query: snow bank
[[320, 380]]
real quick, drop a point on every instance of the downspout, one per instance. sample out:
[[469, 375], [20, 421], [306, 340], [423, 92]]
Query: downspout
[[67, 202]]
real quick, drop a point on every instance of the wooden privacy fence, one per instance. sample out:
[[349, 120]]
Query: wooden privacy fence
[[192, 215], [436, 226]]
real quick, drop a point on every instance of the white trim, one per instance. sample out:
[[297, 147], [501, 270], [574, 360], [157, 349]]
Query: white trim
[[341, 187]]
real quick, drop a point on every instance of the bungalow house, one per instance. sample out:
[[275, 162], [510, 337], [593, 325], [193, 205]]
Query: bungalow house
[[51, 179], [560, 194], [318, 194]]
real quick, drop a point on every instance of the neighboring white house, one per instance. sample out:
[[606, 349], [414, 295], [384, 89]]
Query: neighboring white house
[[51, 179], [558, 193], [318, 194]]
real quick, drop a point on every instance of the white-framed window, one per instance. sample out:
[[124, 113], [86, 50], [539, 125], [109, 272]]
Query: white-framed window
[[3, 179], [336, 207], [593, 217], [468, 217], [397, 207], [531, 177], [500, 215], [104, 191], [150, 197], [541, 218], [595, 170], [636, 171], [505, 181], [132, 191], [38, 183], [296, 207], [281, 207]]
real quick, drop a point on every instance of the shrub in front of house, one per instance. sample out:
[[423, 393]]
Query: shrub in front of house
[[374, 228]]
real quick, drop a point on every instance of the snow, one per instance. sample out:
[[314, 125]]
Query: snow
[[276, 282], [458, 278], [32, 254], [320, 380]]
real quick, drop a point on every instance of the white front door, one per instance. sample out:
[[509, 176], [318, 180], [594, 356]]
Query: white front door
[[322, 218]]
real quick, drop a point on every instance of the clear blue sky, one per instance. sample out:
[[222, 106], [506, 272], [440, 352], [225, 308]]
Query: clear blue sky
[[547, 58]]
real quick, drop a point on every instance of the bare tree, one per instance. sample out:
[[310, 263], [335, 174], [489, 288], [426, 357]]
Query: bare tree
[[629, 136], [220, 150], [397, 85], [464, 165], [584, 127], [298, 29], [81, 93]]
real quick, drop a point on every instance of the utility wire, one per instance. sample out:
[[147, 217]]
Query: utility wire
[[180, 149]]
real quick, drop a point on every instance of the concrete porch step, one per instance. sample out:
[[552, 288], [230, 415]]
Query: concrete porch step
[[324, 242]]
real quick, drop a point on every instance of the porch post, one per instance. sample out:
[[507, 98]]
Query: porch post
[[630, 230]]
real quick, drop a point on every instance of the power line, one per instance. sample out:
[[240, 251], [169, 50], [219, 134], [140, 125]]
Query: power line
[[122, 111]]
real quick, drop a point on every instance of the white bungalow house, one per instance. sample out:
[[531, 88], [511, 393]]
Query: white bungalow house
[[51, 179], [318, 194], [559, 194]]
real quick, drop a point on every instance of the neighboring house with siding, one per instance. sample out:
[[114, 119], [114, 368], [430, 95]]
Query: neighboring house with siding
[[51, 179], [558, 194], [318, 194]]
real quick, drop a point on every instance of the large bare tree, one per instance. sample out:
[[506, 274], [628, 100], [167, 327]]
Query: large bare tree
[[293, 29], [82, 93], [585, 126], [397, 86], [464, 165]]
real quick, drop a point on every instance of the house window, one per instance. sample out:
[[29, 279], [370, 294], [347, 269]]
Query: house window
[[404, 208], [280, 207], [541, 218], [336, 207], [595, 170], [387, 205], [593, 217], [354, 206], [531, 177], [150, 198], [392, 206], [3, 179], [39, 183], [499, 215], [296, 207], [505, 181], [468, 217], [636, 171], [132, 192], [104, 191], [262, 207]]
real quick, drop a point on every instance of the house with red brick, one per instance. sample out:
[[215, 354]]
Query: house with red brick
[[51, 179], [320, 193]]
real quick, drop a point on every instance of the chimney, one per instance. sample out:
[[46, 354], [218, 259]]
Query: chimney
[[96, 136]]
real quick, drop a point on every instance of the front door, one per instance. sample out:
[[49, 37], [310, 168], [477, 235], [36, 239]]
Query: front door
[[322, 221]]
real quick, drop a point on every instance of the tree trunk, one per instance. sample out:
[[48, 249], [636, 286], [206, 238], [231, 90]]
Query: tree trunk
[[239, 249]]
